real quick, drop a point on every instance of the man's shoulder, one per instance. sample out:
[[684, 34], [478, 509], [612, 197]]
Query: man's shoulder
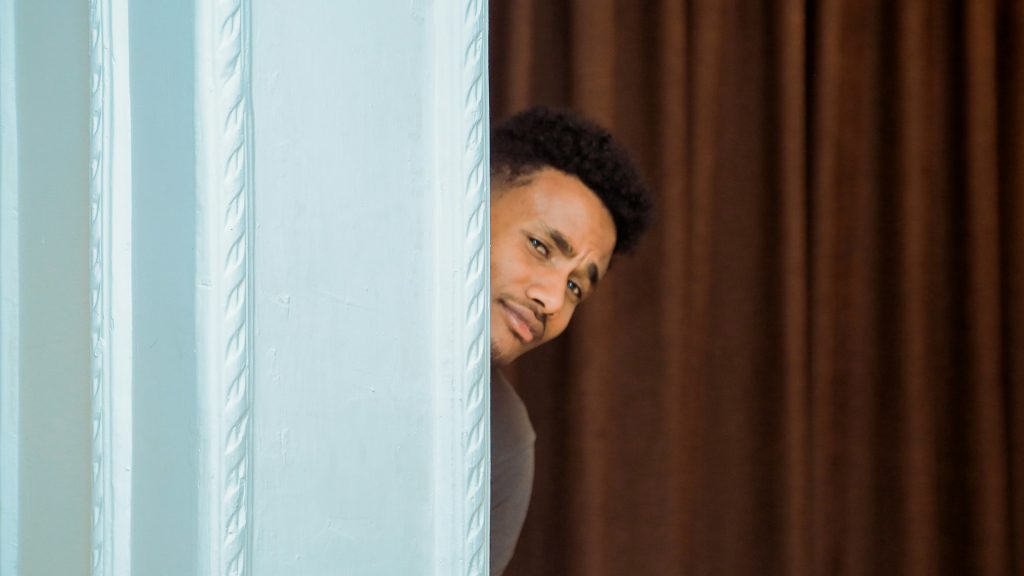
[[511, 429]]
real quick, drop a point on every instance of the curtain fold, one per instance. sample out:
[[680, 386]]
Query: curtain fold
[[814, 363]]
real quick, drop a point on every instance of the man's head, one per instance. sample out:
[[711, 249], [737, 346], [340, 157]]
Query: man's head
[[565, 197]]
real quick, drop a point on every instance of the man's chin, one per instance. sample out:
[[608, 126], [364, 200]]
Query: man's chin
[[501, 356]]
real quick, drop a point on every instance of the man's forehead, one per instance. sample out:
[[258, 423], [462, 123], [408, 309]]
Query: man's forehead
[[561, 202]]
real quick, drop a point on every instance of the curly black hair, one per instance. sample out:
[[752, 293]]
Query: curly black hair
[[541, 137]]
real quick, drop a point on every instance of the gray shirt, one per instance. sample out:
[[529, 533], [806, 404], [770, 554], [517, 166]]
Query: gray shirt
[[512, 440]]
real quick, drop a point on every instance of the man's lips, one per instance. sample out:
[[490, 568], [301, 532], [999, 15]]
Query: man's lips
[[522, 321]]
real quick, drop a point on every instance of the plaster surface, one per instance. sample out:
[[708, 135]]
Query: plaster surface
[[360, 447], [53, 139], [165, 431], [344, 369], [9, 297]]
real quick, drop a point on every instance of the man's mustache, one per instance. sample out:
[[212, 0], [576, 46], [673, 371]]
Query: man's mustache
[[532, 308]]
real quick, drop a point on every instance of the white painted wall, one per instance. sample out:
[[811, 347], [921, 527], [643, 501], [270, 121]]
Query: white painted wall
[[244, 300], [343, 282], [165, 434], [10, 333], [51, 75]]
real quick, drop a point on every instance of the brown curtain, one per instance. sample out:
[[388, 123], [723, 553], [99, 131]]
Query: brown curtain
[[814, 363]]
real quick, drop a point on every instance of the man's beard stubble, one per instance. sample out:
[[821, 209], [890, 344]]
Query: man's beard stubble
[[496, 358]]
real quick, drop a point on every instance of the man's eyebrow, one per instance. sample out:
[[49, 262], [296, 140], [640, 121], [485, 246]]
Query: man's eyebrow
[[568, 251], [563, 245]]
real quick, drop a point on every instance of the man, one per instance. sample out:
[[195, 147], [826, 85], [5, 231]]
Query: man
[[564, 198]]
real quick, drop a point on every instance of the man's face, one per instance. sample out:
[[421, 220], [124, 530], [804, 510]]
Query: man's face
[[551, 241]]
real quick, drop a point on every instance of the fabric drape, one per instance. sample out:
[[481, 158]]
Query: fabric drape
[[814, 362]]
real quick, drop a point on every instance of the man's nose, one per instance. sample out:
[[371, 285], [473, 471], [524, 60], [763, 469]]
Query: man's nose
[[548, 290]]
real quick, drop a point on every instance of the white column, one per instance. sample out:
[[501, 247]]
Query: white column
[[246, 275]]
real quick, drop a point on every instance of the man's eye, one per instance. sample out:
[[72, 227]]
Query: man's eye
[[575, 289], [539, 246]]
